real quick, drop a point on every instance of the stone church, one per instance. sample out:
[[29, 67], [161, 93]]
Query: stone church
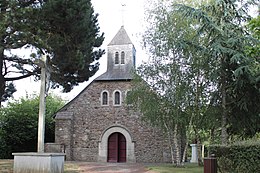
[[98, 125]]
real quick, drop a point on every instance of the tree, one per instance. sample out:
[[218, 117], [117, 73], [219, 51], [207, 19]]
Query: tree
[[199, 71], [67, 31], [19, 122], [176, 79], [246, 93], [221, 22], [254, 26]]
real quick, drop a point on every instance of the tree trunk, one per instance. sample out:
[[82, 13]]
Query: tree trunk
[[177, 147], [224, 134], [170, 141], [2, 79], [185, 151], [187, 139], [199, 152]]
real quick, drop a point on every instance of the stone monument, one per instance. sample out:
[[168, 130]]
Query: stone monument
[[40, 162]]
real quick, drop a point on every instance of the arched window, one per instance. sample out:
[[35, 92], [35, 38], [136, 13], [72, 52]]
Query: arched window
[[116, 58], [122, 57], [104, 98], [117, 98]]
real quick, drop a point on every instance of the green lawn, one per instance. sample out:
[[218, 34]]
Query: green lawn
[[71, 168], [6, 166], [188, 168]]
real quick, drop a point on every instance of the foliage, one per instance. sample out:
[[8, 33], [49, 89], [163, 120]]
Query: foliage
[[19, 122], [199, 73], [179, 77], [254, 27], [9, 90], [221, 24], [171, 89], [246, 90], [240, 157], [67, 31]]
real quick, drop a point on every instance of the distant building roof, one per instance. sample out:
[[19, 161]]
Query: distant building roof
[[121, 38]]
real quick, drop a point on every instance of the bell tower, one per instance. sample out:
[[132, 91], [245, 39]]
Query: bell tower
[[121, 56]]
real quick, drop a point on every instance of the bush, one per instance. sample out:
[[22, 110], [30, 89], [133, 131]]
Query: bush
[[19, 125], [240, 157]]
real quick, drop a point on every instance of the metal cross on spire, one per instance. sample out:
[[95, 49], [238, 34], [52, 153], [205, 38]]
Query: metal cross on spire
[[123, 4]]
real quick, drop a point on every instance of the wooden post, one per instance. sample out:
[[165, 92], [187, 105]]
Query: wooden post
[[210, 164], [41, 120]]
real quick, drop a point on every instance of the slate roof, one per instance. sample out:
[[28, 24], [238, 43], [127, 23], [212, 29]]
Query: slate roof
[[116, 74], [120, 38], [120, 72]]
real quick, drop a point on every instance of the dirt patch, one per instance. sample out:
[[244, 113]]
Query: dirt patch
[[6, 166]]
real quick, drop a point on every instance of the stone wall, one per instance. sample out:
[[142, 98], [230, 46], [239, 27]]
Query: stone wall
[[81, 124]]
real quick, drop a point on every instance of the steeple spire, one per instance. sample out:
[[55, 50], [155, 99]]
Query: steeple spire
[[121, 55]]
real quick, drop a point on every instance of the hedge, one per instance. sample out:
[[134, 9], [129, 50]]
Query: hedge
[[240, 157]]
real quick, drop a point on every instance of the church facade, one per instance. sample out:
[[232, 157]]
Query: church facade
[[98, 125]]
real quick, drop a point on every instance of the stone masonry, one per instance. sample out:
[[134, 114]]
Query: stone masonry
[[84, 126], [80, 125]]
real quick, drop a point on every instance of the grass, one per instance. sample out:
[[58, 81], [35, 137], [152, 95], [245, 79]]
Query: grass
[[6, 166], [71, 168], [188, 168]]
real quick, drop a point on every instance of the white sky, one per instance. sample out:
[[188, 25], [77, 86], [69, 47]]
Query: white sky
[[110, 21]]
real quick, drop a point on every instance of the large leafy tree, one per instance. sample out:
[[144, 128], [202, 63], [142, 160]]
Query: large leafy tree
[[246, 92], [174, 95], [19, 122], [67, 31], [222, 23], [199, 73]]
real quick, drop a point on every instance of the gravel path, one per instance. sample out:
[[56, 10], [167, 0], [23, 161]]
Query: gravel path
[[88, 167]]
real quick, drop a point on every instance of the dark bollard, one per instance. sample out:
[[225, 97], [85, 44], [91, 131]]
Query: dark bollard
[[210, 164]]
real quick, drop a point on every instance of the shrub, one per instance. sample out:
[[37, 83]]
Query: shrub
[[240, 157], [19, 124]]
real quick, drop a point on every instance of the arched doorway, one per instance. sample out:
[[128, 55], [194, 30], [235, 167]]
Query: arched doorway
[[116, 148], [103, 143]]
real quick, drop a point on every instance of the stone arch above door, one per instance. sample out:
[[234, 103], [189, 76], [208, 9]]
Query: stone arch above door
[[103, 143]]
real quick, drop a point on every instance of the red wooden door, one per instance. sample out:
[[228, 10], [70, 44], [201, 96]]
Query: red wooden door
[[121, 148], [116, 148]]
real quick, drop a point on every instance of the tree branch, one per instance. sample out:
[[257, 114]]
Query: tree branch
[[22, 77], [19, 60]]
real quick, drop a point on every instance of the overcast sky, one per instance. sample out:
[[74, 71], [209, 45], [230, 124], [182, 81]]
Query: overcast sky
[[111, 17]]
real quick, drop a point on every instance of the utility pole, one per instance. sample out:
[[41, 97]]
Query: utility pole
[[41, 121]]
